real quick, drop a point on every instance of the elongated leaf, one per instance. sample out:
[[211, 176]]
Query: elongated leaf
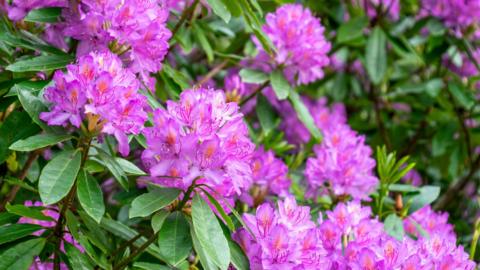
[[44, 15], [41, 63], [265, 114], [209, 233], [462, 95], [38, 141], [58, 176], [158, 219], [427, 195], [90, 196], [77, 259], [394, 226], [253, 76], [220, 9], [352, 30], [176, 76], [20, 256], [34, 106], [13, 232], [150, 266], [206, 261], [376, 55], [115, 168], [220, 210], [30, 212], [280, 85], [21, 42], [304, 115], [239, 260], [148, 203], [128, 167], [174, 238], [203, 40]]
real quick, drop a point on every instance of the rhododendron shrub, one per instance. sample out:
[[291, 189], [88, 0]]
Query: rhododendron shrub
[[218, 134]]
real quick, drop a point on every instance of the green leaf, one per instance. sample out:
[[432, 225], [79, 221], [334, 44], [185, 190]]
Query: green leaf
[[150, 202], [462, 95], [352, 29], [128, 167], [233, 7], [21, 42], [127, 234], [33, 106], [239, 260], [174, 238], [77, 259], [205, 260], [203, 40], [41, 63], [442, 139], [394, 226], [90, 196], [115, 168], [220, 9], [58, 176], [403, 188], [427, 195], [280, 85], [376, 56], [209, 233], [304, 115], [150, 266], [44, 15], [265, 114], [253, 76], [158, 219], [13, 232], [20, 256], [25, 211], [38, 141], [220, 210], [178, 77], [6, 218], [18, 125]]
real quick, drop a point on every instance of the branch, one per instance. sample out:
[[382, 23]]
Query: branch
[[185, 15], [259, 89], [213, 72], [379, 120], [456, 187], [21, 176], [132, 256]]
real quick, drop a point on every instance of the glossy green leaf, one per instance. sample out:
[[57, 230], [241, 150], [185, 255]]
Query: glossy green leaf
[[158, 219], [147, 203], [41, 63], [13, 232], [22, 42], [220, 9], [304, 115], [58, 176], [150, 266], [376, 55], [77, 259], [202, 39], [44, 15], [30, 212], [115, 168], [265, 114], [239, 260], [427, 195], [38, 141], [209, 233], [178, 77], [174, 238], [205, 260], [228, 221], [463, 96], [90, 196], [128, 167], [20, 256], [352, 29], [253, 76], [280, 85], [394, 226], [34, 106]]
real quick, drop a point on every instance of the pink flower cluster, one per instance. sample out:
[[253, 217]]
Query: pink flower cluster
[[456, 15], [342, 165], [201, 137], [136, 29], [298, 36], [349, 238], [100, 89], [431, 223]]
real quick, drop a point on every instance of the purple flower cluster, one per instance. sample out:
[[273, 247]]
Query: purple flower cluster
[[201, 137], [298, 36], [386, 7], [456, 15], [431, 223], [100, 90], [342, 165], [348, 238], [270, 177], [135, 29]]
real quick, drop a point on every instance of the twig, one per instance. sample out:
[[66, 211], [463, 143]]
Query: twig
[[127, 260], [378, 117], [456, 187], [185, 15], [124, 245], [213, 72], [260, 88], [21, 176]]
